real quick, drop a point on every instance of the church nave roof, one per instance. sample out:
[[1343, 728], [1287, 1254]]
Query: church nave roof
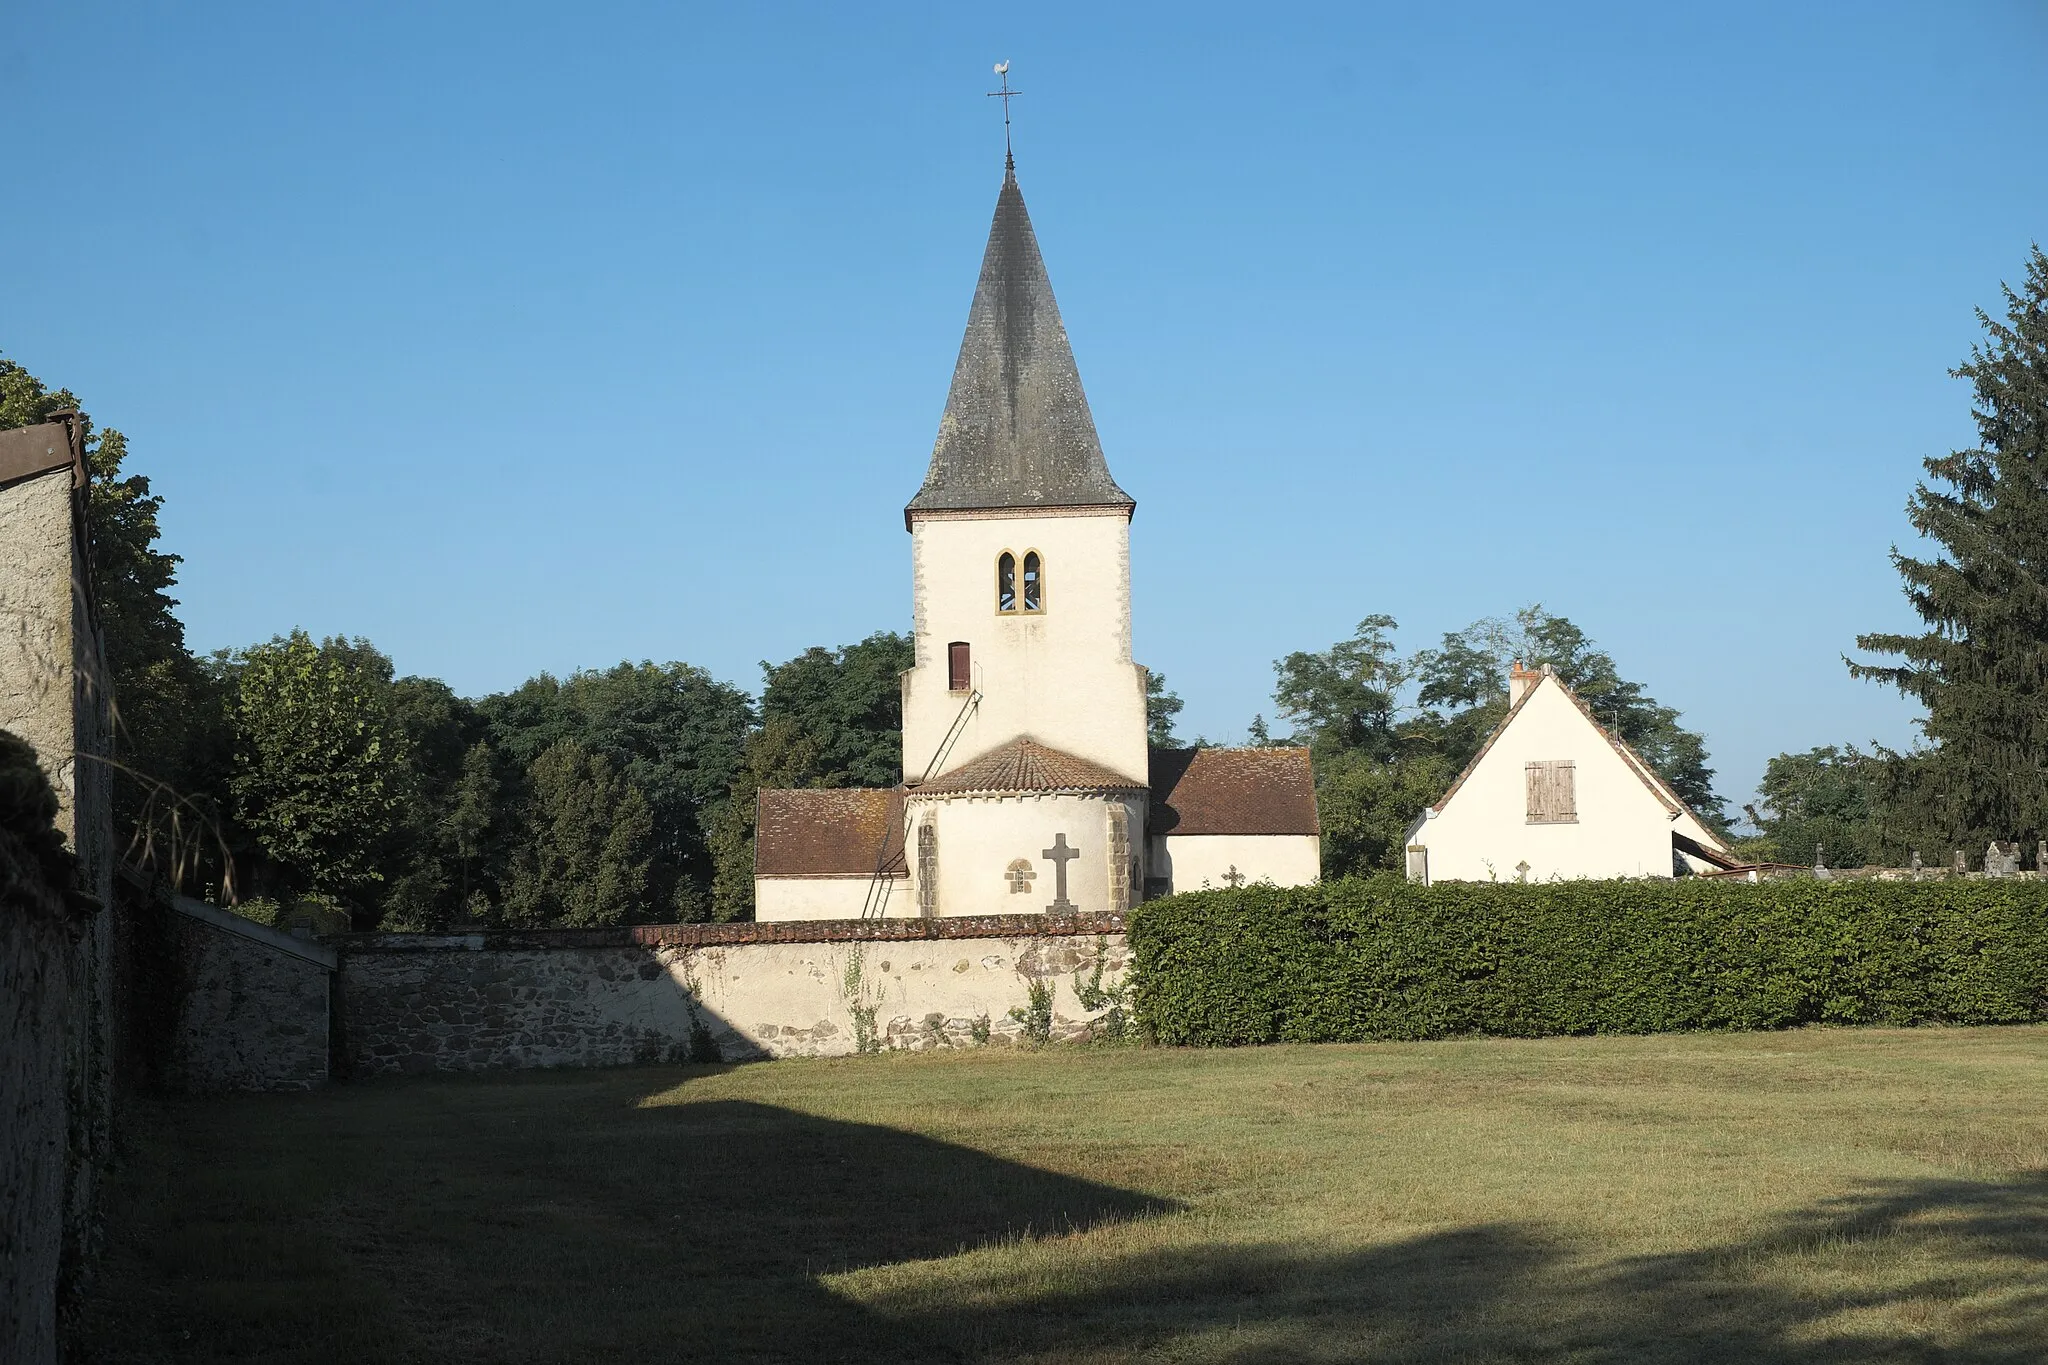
[[828, 832], [1233, 791]]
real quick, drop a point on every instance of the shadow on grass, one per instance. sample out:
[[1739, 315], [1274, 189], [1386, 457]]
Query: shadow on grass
[[1926, 1271], [441, 1221], [552, 1219]]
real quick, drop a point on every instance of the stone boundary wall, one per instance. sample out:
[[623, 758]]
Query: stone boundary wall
[[252, 1004], [417, 1003], [42, 1016], [56, 966]]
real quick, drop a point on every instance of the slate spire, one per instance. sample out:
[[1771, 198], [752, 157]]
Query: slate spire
[[1016, 430]]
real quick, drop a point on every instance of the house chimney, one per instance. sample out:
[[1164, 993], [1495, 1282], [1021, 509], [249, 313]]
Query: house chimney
[[1520, 681]]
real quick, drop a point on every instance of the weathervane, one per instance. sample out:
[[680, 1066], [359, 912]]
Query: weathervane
[[1006, 94]]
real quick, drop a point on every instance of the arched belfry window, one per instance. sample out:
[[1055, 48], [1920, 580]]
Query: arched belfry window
[[1034, 582], [1006, 582]]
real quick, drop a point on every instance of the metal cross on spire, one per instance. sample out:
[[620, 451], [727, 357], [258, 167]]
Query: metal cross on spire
[[1006, 94]]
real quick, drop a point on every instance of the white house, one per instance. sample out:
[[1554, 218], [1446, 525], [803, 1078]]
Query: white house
[[1552, 794], [1028, 783]]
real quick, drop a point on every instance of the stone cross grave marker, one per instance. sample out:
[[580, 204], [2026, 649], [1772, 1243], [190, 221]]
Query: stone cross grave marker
[[1061, 855]]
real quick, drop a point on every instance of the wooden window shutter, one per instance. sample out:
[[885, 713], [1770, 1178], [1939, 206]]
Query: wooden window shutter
[[959, 675], [1552, 787]]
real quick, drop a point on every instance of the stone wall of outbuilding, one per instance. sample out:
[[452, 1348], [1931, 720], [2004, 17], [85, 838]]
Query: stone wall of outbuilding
[[252, 1004], [608, 997]]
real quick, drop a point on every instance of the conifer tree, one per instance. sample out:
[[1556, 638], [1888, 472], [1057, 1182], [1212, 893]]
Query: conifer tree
[[1981, 668]]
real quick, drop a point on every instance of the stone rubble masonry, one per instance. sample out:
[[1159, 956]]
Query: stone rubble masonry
[[252, 1011], [37, 942], [54, 977], [418, 1003]]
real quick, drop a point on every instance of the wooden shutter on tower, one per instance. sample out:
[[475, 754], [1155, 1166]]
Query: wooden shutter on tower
[[957, 671], [1553, 792]]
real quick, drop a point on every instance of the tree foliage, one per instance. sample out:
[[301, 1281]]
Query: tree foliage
[[590, 846], [171, 715], [670, 729], [1161, 706], [1981, 667], [429, 881], [847, 703], [1833, 803], [323, 768]]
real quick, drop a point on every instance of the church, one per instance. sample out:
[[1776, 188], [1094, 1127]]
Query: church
[[1028, 783]]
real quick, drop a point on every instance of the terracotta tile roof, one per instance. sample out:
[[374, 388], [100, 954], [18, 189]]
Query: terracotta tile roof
[[1025, 765], [828, 832], [1233, 791]]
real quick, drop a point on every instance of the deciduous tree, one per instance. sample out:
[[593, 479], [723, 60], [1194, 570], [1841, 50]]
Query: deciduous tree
[[322, 765], [671, 728], [1161, 706], [1832, 799], [589, 848]]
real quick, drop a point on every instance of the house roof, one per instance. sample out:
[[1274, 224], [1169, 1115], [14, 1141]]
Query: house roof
[[1233, 791], [1016, 432], [1025, 765], [1637, 764], [829, 832]]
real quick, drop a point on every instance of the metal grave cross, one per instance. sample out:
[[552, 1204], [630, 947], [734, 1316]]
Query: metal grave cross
[[1061, 855], [1233, 878]]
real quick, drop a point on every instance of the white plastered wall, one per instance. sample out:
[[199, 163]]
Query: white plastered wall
[[1191, 862], [980, 836], [800, 898], [1063, 676], [1483, 833]]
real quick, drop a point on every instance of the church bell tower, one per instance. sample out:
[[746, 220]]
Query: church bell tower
[[1028, 786], [1020, 544]]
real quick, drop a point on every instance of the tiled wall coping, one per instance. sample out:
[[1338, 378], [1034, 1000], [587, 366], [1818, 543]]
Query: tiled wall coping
[[721, 935]]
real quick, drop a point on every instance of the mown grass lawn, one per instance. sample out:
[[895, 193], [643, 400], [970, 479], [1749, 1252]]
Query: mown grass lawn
[[1854, 1195]]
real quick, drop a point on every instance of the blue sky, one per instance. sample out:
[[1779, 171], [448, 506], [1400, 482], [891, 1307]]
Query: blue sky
[[520, 338]]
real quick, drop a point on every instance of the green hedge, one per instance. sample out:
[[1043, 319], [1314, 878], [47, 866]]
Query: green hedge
[[1380, 958]]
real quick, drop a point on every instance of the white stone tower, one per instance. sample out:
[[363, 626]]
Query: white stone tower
[[1020, 544], [1024, 717]]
